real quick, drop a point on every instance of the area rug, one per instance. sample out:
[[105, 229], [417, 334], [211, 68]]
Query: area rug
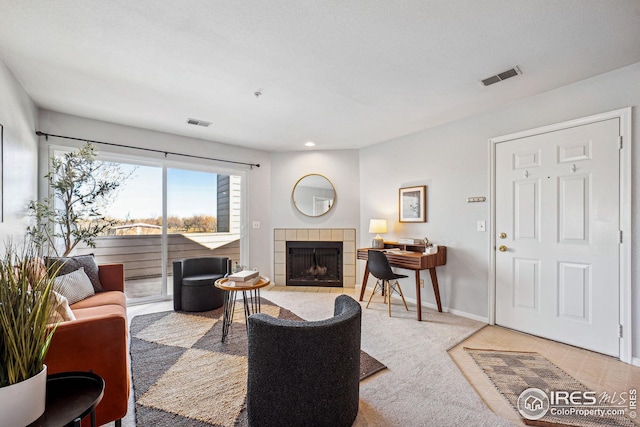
[[536, 388], [184, 376]]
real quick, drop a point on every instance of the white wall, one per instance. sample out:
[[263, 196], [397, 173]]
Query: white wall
[[453, 160], [258, 179], [339, 166], [18, 115]]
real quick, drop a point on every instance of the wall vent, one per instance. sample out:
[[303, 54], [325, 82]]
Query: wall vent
[[197, 122], [502, 76]]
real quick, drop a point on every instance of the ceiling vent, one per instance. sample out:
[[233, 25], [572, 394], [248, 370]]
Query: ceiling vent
[[502, 76], [197, 122]]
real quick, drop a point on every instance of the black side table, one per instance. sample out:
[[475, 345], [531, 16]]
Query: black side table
[[71, 396]]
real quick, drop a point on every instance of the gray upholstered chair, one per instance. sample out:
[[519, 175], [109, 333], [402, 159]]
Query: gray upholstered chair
[[193, 283], [305, 373]]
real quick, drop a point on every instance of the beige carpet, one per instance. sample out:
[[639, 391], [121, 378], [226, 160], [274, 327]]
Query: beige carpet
[[515, 372]]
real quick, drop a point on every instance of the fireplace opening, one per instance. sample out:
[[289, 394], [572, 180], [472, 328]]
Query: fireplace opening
[[314, 264]]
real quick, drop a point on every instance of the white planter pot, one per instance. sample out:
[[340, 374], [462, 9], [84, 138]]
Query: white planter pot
[[24, 402]]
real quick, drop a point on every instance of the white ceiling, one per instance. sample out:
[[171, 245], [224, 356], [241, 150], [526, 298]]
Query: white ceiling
[[341, 73]]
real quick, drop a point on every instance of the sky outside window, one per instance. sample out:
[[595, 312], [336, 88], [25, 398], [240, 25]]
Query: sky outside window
[[140, 197], [191, 193]]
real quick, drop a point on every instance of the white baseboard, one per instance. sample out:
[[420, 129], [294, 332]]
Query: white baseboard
[[469, 315], [449, 310], [635, 361]]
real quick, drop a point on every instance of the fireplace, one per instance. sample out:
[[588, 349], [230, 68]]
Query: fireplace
[[314, 263], [347, 236]]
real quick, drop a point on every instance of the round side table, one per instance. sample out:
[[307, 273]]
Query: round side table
[[250, 297], [71, 396]]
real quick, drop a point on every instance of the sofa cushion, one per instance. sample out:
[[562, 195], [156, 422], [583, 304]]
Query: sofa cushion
[[75, 286], [70, 264], [201, 279], [99, 311], [102, 298]]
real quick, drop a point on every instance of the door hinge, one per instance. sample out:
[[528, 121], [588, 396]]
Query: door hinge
[[619, 331], [620, 236], [620, 142]]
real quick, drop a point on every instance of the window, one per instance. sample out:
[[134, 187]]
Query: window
[[166, 211]]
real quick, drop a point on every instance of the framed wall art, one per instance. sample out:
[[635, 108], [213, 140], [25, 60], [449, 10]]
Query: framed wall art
[[413, 204]]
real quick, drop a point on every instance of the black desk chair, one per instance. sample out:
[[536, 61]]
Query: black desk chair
[[387, 280]]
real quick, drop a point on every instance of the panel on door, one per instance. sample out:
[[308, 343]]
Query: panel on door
[[557, 222]]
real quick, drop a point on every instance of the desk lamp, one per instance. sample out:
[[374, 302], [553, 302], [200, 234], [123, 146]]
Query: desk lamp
[[377, 226]]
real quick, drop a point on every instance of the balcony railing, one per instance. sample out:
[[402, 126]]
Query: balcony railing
[[142, 256]]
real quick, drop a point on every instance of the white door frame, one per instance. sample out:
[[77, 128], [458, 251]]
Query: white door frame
[[625, 216]]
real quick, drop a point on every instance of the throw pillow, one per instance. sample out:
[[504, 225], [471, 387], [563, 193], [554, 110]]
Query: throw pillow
[[70, 264], [74, 286], [60, 311]]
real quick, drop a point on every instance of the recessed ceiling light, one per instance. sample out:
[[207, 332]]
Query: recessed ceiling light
[[310, 144]]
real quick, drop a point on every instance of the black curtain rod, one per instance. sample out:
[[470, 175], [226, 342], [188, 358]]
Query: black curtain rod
[[47, 135]]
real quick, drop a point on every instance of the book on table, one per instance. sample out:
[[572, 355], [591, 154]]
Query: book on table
[[246, 283], [244, 276]]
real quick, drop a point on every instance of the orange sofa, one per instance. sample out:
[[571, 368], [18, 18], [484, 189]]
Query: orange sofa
[[98, 341]]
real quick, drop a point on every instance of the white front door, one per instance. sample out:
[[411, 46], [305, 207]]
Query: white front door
[[557, 235]]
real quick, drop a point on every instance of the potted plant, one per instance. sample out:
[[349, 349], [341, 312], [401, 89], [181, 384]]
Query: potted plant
[[25, 291]]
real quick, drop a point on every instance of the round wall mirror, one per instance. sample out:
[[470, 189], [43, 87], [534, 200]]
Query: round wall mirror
[[313, 195]]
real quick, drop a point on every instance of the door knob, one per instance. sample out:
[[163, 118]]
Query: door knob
[[502, 248], [502, 235]]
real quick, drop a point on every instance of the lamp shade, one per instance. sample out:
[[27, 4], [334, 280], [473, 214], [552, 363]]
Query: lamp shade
[[377, 226]]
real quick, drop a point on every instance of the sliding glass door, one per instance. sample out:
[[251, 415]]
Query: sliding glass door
[[135, 239], [203, 215], [164, 213]]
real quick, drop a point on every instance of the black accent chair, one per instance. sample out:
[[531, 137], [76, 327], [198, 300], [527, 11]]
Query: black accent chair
[[387, 280], [193, 283], [305, 373]]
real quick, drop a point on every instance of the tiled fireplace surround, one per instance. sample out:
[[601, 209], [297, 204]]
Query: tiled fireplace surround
[[346, 235]]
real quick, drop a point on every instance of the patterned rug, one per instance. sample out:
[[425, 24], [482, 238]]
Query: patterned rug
[[545, 395], [184, 376]]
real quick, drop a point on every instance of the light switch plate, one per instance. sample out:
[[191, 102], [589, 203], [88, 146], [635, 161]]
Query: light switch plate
[[482, 226]]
